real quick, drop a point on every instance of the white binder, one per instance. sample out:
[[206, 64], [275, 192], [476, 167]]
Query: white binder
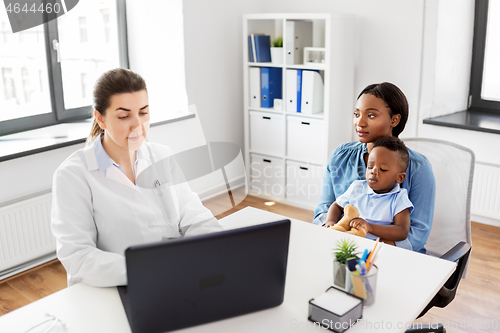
[[298, 36], [254, 74], [291, 90], [312, 92]]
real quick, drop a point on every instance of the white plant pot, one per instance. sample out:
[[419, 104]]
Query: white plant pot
[[277, 55]]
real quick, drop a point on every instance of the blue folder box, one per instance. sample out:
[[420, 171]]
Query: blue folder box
[[263, 48], [271, 80]]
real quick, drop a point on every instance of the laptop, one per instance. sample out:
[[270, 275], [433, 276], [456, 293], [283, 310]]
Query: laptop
[[189, 281]]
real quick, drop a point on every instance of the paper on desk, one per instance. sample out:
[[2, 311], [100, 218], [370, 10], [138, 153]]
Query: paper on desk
[[336, 301]]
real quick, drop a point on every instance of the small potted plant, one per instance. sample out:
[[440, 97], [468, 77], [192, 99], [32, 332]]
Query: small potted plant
[[345, 249], [277, 51]]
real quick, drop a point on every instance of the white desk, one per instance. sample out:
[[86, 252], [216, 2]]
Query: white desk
[[407, 281]]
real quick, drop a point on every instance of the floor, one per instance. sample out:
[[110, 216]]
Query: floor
[[476, 307]]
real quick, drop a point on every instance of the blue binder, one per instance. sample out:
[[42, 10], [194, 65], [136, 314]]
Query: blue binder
[[271, 85], [299, 89], [250, 49], [263, 48]]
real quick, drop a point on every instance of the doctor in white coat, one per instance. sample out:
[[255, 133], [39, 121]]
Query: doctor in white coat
[[98, 210]]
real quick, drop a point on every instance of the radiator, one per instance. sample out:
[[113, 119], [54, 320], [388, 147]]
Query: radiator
[[486, 191], [25, 236]]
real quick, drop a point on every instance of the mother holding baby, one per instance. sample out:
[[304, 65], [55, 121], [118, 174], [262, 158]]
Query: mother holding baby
[[381, 110]]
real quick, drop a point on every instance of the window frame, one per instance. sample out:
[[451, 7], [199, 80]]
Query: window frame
[[59, 114], [478, 52]]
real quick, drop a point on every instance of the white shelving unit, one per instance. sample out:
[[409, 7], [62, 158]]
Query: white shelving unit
[[288, 151]]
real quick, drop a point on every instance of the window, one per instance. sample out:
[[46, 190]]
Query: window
[[4, 32], [47, 72], [85, 85], [8, 85], [26, 85], [82, 21], [485, 76], [105, 20]]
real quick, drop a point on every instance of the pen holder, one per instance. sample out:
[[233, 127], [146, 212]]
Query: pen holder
[[363, 286]]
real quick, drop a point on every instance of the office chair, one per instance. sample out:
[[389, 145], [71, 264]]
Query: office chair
[[450, 236]]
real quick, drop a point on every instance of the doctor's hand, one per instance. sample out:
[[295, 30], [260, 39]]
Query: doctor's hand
[[359, 223]]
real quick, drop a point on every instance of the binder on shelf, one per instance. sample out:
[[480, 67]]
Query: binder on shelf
[[271, 85], [251, 41], [255, 96], [293, 90], [299, 90], [298, 36], [312, 92], [263, 48], [251, 49]]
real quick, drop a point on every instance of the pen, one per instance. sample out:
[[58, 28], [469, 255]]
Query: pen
[[365, 254]]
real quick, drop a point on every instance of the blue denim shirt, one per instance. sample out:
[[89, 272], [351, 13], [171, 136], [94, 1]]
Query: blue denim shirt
[[346, 164]]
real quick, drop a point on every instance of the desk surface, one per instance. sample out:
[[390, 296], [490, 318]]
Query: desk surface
[[405, 285]]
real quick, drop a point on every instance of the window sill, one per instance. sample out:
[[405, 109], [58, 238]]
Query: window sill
[[474, 120], [54, 137]]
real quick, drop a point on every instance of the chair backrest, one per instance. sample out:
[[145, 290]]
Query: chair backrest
[[453, 168]]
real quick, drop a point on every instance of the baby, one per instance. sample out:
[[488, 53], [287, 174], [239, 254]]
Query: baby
[[384, 207]]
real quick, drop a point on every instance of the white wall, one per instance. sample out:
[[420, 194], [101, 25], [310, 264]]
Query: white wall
[[214, 73], [156, 52], [447, 54], [389, 49]]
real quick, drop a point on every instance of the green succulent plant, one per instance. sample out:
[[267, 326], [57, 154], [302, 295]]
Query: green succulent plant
[[278, 42], [345, 249]]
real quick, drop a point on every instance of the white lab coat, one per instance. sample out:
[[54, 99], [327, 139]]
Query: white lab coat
[[96, 216]]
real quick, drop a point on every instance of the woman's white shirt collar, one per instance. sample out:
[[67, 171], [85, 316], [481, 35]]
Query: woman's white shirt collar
[[97, 159]]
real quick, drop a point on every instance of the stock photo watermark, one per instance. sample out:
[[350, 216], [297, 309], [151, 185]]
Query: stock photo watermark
[[325, 324], [263, 180], [27, 14]]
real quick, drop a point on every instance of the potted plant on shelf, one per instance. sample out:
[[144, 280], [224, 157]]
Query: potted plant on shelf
[[346, 249], [277, 51]]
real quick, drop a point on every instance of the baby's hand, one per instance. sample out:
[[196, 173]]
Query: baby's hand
[[359, 223], [328, 224]]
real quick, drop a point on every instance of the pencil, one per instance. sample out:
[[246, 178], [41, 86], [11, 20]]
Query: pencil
[[373, 251], [373, 259]]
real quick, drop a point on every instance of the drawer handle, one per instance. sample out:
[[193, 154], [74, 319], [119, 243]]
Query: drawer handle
[[268, 161], [304, 168], [266, 117], [305, 123]]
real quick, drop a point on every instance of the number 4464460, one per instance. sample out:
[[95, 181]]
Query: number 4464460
[[473, 324]]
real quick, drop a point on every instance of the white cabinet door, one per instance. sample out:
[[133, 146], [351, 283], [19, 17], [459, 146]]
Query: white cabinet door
[[306, 139], [267, 133], [303, 182], [267, 175]]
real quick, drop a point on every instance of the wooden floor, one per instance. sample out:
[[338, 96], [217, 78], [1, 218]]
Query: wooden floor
[[476, 307]]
